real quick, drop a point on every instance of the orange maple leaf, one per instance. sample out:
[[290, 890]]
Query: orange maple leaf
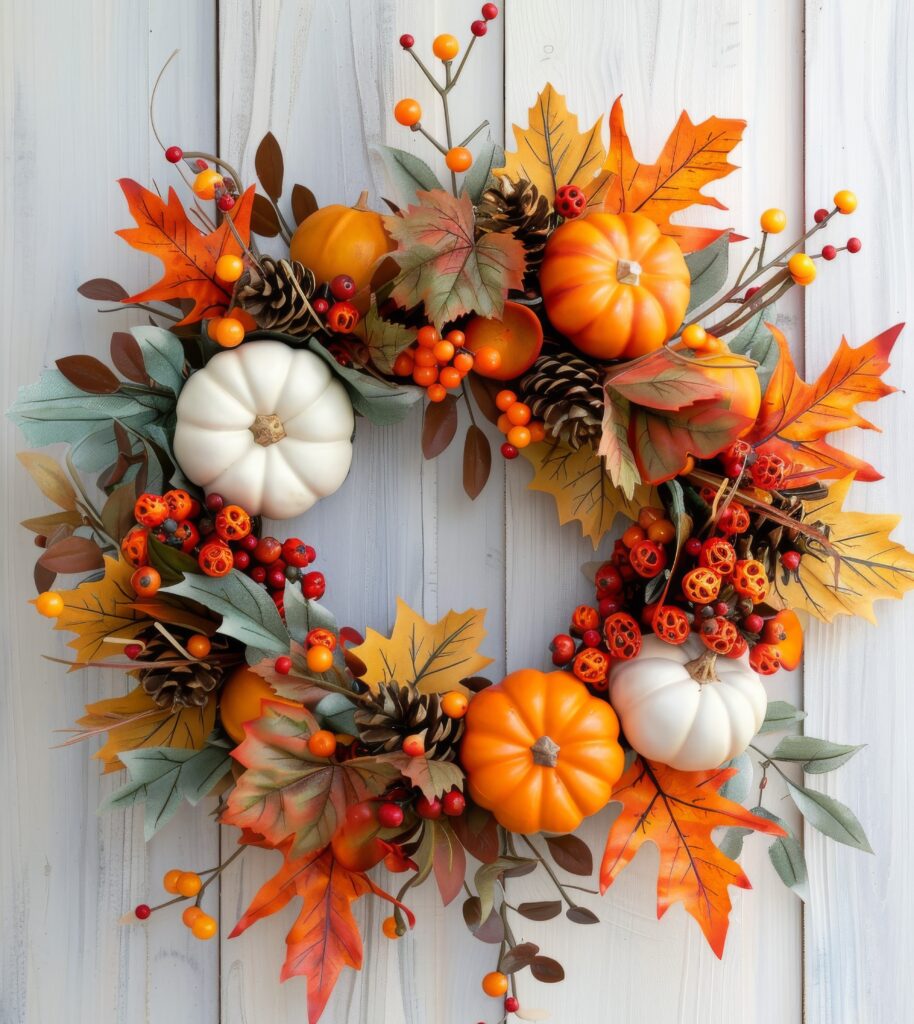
[[677, 811], [795, 416], [694, 155], [188, 254]]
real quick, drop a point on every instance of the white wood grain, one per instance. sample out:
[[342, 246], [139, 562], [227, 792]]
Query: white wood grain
[[74, 88], [858, 135]]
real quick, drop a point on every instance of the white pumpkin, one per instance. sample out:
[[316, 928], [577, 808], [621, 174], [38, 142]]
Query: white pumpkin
[[685, 710], [266, 426]]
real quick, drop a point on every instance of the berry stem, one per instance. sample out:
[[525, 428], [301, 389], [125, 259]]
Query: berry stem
[[218, 871], [752, 255], [463, 60], [778, 283], [474, 133], [141, 305], [417, 127], [466, 398]]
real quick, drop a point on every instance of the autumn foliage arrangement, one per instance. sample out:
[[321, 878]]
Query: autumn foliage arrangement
[[547, 289]]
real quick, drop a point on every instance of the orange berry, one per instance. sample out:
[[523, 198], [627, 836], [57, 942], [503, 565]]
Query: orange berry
[[689, 466], [49, 604], [198, 645], [495, 983], [504, 399], [650, 515], [503, 423], [802, 269], [206, 183], [632, 535], [189, 883], [146, 581], [463, 362], [170, 881], [323, 742], [389, 928], [519, 437], [243, 317], [450, 377], [407, 112], [459, 159], [427, 336], [445, 47], [661, 532], [229, 268], [694, 336], [414, 746], [190, 915], [204, 927], [773, 221], [519, 414], [425, 357], [488, 360], [403, 364], [846, 201], [456, 338], [319, 658], [425, 375], [444, 351], [436, 392], [537, 431], [229, 332], [454, 704]]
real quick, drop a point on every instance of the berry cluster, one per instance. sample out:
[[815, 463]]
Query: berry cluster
[[440, 364], [768, 471], [516, 424], [186, 885], [333, 303]]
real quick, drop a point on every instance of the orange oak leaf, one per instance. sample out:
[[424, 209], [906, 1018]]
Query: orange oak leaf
[[694, 155], [795, 416], [678, 811], [189, 256]]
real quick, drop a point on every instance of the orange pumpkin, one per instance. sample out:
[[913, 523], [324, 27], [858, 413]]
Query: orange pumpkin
[[614, 285], [240, 701], [342, 240], [540, 752]]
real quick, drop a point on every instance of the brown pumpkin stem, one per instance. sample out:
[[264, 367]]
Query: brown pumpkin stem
[[545, 752], [704, 669], [628, 272], [362, 204], [267, 429]]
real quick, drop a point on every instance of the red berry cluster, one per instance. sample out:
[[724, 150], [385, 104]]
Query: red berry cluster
[[334, 305], [767, 470]]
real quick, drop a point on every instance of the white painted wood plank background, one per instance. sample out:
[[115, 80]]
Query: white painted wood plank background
[[323, 78]]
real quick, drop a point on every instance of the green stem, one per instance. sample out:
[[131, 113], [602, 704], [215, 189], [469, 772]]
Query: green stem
[[425, 71], [430, 138]]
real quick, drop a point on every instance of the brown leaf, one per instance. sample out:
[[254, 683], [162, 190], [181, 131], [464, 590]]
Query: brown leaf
[[127, 357], [117, 512], [477, 461], [439, 426], [303, 203], [477, 831], [581, 915], [545, 969], [88, 374], [102, 289], [264, 220], [540, 910], [43, 577], [518, 957], [269, 166], [72, 554], [50, 478], [45, 525], [571, 854], [484, 391], [492, 930]]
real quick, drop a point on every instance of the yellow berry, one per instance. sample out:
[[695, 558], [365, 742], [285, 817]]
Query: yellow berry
[[229, 268], [846, 201], [389, 927], [170, 881], [407, 112], [206, 183], [694, 336], [459, 159], [454, 704], [773, 221], [189, 883], [190, 916], [445, 47], [49, 604], [802, 269], [204, 927]]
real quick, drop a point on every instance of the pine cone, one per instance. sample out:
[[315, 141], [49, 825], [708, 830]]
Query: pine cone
[[518, 205], [274, 293], [395, 712], [178, 686], [566, 392]]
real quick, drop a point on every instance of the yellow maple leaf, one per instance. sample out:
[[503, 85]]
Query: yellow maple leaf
[[552, 152], [871, 567], [582, 488], [434, 656], [135, 721]]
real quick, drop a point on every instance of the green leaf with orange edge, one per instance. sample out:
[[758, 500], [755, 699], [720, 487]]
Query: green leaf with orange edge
[[445, 267], [795, 416], [135, 721], [582, 488], [286, 793], [678, 812], [431, 776], [871, 566], [188, 255], [669, 380], [436, 657], [614, 448]]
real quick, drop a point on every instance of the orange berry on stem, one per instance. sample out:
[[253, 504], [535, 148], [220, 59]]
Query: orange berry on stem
[[459, 159], [463, 363], [443, 351], [229, 332], [323, 742], [519, 414], [773, 221], [229, 268], [802, 269], [694, 336], [537, 431], [504, 399], [519, 437], [846, 201], [190, 915], [425, 357], [632, 536], [488, 361], [206, 183], [204, 927], [425, 375], [495, 983], [503, 423], [319, 658], [146, 581], [445, 47], [407, 112], [450, 377], [189, 883], [414, 746], [389, 928], [456, 338], [454, 704], [49, 604], [403, 364], [199, 645], [436, 392], [427, 336], [170, 880]]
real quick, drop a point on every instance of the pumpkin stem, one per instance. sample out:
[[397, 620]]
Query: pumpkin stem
[[704, 668], [267, 429], [545, 752], [628, 272], [362, 204]]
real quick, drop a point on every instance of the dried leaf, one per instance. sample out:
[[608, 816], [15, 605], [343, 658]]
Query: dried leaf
[[795, 416], [518, 957], [678, 812], [269, 166], [432, 777], [303, 203], [477, 831], [439, 426], [264, 219], [614, 448], [385, 340], [51, 479], [89, 374], [444, 266], [547, 970], [127, 357], [434, 656], [117, 512], [581, 915], [484, 391], [477, 461], [72, 555], [102, 289], [450, 862], [44, 525], [541, 910], [571, 854], [189, 256]]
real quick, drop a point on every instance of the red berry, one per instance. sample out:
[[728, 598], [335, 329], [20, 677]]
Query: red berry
[[225, 202], [829, 252], [241, 560], [693, 547], [453, 803], [173, 154], [276, 579], [489, 12], [313, 585], [820, 215], [295, 552], [562, 648], [267, 550], [426, 808], [133, 651], [721, 608], [512, 1004], [479, 28], [854, 245], [753, 623], [733, 467], [509, 451], [750, 292], [214, 502], [608, 580], [570, 201], [258, 574], [283, 664], [590, 638], [200, 164], [791, 560], [250, 542], [608, 606], [407, 41], [342, 287], [320, 306], [390, 815], [311, 553], [143, 911]]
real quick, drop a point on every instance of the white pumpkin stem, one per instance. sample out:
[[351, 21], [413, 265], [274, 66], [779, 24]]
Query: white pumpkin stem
[[704, 668], [267, 429], [362, 204], [628, 272], [545, 752]]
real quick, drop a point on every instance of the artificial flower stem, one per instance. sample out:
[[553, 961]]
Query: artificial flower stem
[[474, 133], [218, 871], [431, 138], [463, 60], [141, 305], [549, 872]]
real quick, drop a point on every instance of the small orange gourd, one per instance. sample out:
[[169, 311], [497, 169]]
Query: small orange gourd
[[785, 632], [614, 285], [540, 752]]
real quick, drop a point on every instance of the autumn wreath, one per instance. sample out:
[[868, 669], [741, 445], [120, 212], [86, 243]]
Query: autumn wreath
[[550, 290]]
